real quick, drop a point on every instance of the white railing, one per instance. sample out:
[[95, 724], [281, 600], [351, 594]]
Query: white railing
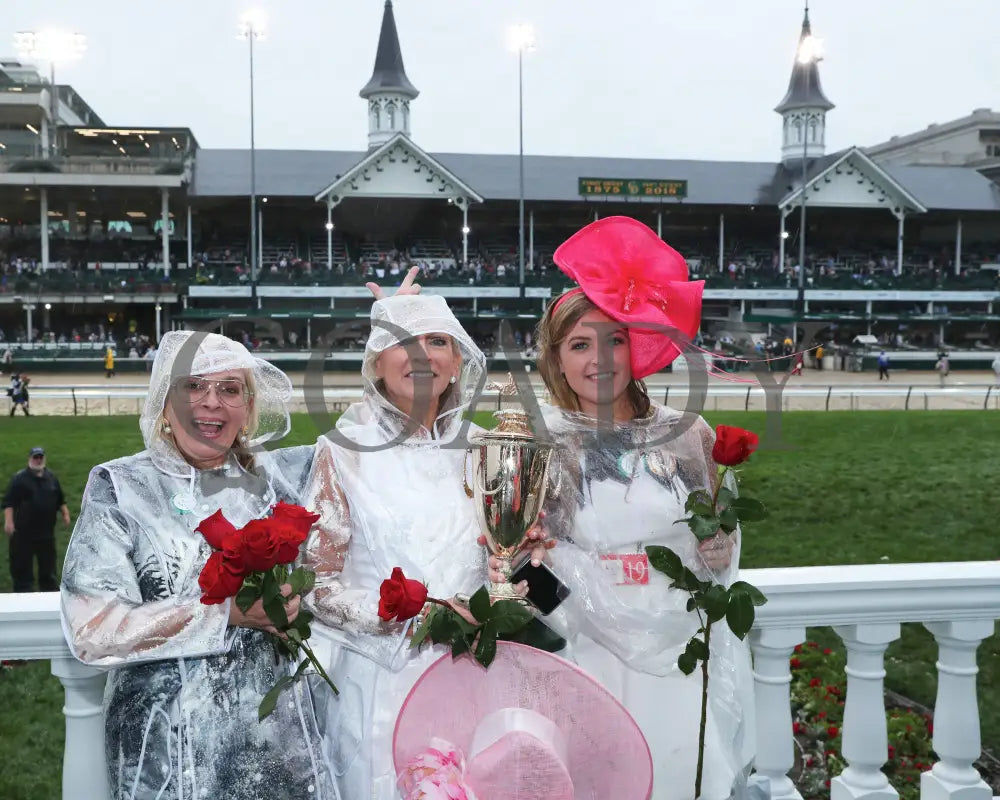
[[865, 604], [127, 398]]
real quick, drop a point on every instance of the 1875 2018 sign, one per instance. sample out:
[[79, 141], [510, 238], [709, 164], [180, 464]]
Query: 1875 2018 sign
[[632, 187]]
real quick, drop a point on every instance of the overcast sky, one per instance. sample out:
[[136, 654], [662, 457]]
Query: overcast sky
[[649, 78]]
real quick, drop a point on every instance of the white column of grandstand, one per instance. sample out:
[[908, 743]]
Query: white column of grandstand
[[722, 242], [28, 308], [901, 216], [190, 260], [659, 224], [531, 240], [465, 233], [43, 202], [165, 228], [329, 234], [159, 324], [958, 246]]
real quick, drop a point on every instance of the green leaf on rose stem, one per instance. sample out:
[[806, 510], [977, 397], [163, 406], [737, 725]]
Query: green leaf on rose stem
[[725, 497], [304, 618], [308, 580], [270, 588], [296, 580], [703, 527], [686, 663], [479, 604], [665, 560], [699, 497], [275, 610], [270, 701], [301, 668], [423, 630], [697, 649], [246, 597], [509, 616], [486, 647], [692, 604], [740, 614], [757, 597], [728, 520], [748, 509], [294, 635], [460, 647], [715, 601]]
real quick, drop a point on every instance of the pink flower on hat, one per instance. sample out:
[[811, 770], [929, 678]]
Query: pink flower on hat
[[633, 276], [436, 773]]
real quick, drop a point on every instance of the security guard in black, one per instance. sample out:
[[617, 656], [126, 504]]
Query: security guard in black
[[31, 503]]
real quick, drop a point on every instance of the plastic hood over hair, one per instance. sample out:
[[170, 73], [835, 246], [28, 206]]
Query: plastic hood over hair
[[400, 317], [633, 276], [184, 353]]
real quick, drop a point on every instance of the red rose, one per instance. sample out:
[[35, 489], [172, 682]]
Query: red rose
[[401, 598], [892, 751], [821, 715], [798, 648], [257, 547], [219, 580], [797, 727], [295, 516], [288, 538], [733, 445], [216, 529], [815, 682], [795, 663], [827, 651], [832, 731]]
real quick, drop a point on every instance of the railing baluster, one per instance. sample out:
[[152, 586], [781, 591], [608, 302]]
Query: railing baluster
[[84, 776], [956, 713], [772, 648], [865, 739]]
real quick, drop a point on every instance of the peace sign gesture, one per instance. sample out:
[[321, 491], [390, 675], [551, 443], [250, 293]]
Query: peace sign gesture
[[406, 287]]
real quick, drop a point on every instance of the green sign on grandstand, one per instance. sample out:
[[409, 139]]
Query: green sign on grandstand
[[632, 187]]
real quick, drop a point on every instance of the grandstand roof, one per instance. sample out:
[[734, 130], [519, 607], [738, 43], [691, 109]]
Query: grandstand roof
[[305, 173]]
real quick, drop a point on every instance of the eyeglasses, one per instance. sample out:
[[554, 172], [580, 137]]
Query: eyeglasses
[[230, 391]]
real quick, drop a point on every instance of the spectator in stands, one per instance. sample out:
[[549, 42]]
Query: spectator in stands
[[996, 370], [109, 362], [31, 503], [18, 394], [943, 367]]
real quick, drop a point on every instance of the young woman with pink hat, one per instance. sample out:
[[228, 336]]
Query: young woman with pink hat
[[620, 484]]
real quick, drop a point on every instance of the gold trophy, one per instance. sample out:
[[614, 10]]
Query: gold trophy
[[509, 484]]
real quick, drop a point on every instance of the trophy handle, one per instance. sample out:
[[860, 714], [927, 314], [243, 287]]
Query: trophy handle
[[465, 475]]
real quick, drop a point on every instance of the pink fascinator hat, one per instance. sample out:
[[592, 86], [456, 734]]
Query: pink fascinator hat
[[531, 726], [633, 276]]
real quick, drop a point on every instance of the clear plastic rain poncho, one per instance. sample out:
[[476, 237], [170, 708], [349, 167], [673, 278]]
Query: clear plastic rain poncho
[[181, 699], [390, 494], [614, 490]]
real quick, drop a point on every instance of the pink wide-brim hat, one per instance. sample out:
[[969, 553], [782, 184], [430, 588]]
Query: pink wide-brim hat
[[599, 744], [633, 276]]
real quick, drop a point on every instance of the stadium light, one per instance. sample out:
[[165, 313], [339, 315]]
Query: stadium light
[[522, 39], [809, 53], [252, 27], [55, 47]]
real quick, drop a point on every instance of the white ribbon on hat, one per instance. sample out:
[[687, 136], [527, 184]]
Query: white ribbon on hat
[[493, 727]]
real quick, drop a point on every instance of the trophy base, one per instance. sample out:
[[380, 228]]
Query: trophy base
[[505, 591]]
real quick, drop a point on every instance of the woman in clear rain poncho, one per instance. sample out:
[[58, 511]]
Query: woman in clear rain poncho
[[397, 456], [619, 484], [181, 701]]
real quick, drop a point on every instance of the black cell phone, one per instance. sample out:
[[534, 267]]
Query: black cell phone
[[545, 590]]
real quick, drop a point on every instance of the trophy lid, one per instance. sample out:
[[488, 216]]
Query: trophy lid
[[513, 425]]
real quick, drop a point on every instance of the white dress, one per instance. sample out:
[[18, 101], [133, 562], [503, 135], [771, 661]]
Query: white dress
[[624, 623], [407, 508]]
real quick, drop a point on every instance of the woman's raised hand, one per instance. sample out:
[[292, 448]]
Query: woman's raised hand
[[406, 287], [717, 552]]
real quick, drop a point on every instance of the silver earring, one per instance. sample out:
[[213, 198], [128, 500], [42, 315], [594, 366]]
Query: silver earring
[[453, 379], [165, 427]]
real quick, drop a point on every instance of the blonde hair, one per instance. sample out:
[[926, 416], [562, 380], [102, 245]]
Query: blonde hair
[[244, 456], [560, 318]]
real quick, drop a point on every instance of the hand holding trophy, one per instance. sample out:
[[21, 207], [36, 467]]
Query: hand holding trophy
[[509, 484]]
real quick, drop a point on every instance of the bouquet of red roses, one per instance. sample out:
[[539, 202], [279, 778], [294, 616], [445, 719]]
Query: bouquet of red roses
[[252, 563]]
